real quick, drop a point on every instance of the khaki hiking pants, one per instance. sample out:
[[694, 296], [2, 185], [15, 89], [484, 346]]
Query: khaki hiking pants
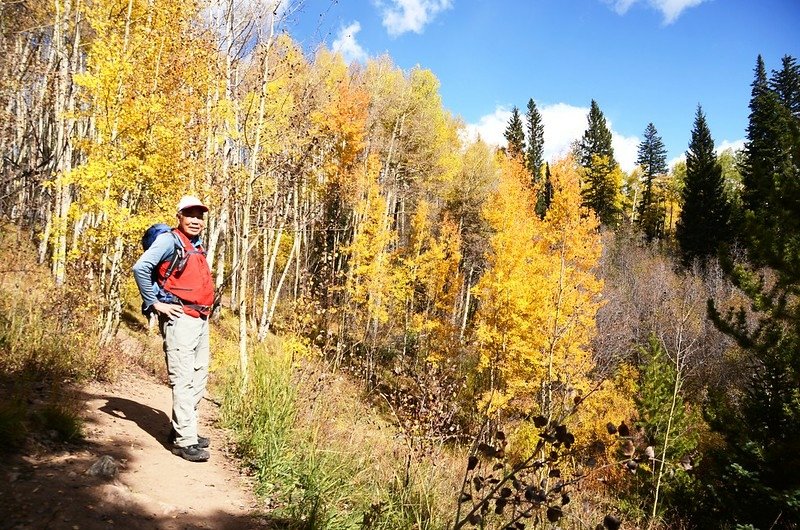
[[187, 352]]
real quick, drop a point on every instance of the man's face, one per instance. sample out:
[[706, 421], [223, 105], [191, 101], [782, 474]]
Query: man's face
[[191, 221]]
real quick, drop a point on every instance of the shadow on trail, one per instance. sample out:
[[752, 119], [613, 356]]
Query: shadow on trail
[[45, 485], [152, 421]]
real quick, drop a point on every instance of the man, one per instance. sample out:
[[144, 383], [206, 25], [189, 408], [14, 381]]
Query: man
[[175, 282]]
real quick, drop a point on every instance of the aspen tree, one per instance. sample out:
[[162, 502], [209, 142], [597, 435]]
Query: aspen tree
[[416, 138], [234, 33], [139, 158], [247, 204], [28, 122], [428, 283], [64, 105], [339, 130], [464, 198], [368, 280], [539, 297], [571, 233], [286, 142], [508, 349]]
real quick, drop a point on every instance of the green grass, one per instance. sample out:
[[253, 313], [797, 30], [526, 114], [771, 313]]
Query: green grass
[[46, 341], [60, 421], [323, 459], [263, 416], [28, 341]]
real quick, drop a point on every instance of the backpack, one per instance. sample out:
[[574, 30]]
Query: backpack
[[149, 237]]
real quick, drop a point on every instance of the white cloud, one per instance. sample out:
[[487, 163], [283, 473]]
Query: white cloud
[[401, 16], [736, 145], [346, 44], [563, 124], [621, 6], [625, 149], [671, 9], [490, 127]]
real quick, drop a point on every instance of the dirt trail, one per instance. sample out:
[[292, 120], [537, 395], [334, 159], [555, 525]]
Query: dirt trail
[[128, 420]]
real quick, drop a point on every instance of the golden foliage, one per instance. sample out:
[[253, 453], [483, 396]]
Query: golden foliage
[[139, 158], [430, 279], [368, 282], [539, 298]]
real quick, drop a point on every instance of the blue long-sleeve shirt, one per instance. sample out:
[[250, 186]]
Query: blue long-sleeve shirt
[[144, 270]]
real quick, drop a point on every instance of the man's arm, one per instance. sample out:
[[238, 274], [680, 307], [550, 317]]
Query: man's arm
[[161, 250]]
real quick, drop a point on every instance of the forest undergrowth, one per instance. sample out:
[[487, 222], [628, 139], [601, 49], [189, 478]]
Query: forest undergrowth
[[330, 454], [329, 450], [322, 456], [47, 349]]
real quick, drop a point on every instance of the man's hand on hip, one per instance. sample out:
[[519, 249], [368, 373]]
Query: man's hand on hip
[[169, 310]]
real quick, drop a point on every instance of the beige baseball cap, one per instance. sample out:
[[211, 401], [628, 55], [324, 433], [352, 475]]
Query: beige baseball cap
[[190, 201]]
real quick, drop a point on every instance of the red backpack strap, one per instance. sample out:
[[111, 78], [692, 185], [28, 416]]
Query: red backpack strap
[[177, 254]]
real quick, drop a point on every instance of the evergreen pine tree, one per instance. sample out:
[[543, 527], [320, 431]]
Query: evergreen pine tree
[[534, 156], [759, 147], [652, 157], [786, 84], [770, 159], [704, 223], [596, 155], [515, 135], [759, 481], [596, 140], [546, 193]]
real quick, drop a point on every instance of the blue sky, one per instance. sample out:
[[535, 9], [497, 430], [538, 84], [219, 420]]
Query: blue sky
[[641, 60]]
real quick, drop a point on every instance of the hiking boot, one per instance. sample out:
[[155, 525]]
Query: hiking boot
[[202, 441], [192, 453]]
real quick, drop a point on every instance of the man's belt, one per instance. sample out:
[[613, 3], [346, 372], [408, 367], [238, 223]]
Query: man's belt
[[199, 308]]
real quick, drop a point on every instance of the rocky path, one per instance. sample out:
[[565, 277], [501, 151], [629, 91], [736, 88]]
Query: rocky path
[[128, 421]]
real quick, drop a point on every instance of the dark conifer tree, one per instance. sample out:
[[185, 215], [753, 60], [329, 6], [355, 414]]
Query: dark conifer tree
[[770, 159], [652, 157], [515, 135], [759, 147], [534, 156], [596, 155], [596, 140], [545, 194], [704, 223], [786, 84], [758, 476]]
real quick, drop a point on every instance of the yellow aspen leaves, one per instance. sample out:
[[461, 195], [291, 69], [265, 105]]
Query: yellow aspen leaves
[[430, 279], [539, 298], [368, 283]]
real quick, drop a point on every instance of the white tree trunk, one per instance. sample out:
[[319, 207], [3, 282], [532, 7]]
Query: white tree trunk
[[268, 274], [248, 204], [61, 188], [293, 252]]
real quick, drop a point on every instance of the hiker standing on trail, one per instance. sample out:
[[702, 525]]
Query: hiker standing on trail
[[175, 282]]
